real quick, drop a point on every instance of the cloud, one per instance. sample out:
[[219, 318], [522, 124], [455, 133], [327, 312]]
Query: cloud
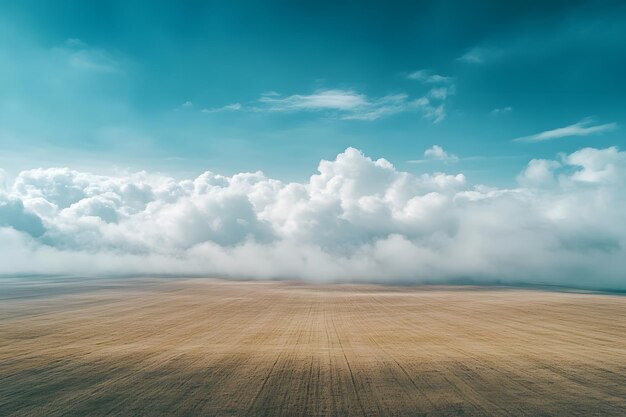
[[501, 110], [350, 105], [582, 128], [477, 55], [80, 56], [432, 105], [187, 104], [357, 219], [341, 100], [442, 93], [384, 106], [435, 153], [3, 180], [12, 214], [428, 77], [347, 104], [435, 112], [228, 107]]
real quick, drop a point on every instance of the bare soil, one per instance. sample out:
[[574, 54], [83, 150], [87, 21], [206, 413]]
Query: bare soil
[[202, 347]]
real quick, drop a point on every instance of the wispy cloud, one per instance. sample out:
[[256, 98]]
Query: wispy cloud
[[428, 77], [81, 56], [583, 128], [477, 55], [352, 105], [432, 105], [431, 111], [436, 153], [501, 110], [347, 104], [384, 106], [341, 100], [442, 93], [229, 107]]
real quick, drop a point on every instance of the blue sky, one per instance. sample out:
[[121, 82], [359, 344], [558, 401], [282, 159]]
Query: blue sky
[[184, 87], [333, 141]]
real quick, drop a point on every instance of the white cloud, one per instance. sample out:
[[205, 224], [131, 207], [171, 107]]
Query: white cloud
[[435, 112], [432, 105], [582, 128], [428, 77], [477, 55], [539, 172], [501, 110], [228, 107], [341, 100], [357, 219], [347, 104], [384, 106], [436, 153], [350, 105], [3, 180], [187, 104], [442, 93]]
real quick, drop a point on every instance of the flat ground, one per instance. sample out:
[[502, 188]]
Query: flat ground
[[209, 347]]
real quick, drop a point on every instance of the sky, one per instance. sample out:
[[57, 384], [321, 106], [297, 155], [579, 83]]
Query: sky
[[112, 113]]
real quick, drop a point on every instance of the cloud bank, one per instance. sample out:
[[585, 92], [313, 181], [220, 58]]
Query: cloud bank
[[357, 219]]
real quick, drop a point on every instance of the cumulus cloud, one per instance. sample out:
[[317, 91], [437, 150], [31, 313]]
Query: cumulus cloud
[[357, 219], [583, 128], [436, 153]]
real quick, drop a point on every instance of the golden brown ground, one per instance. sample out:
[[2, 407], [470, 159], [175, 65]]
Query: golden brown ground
[[209, 347]]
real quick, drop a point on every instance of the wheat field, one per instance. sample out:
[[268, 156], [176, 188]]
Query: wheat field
[[205, 347]]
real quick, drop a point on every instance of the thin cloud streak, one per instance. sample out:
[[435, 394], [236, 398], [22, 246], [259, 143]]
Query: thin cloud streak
[[428, 77], [582, 128], [476, 55], [351, 105], [228, 107]]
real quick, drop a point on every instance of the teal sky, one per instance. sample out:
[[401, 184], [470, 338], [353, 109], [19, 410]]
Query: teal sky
[[184, 87]]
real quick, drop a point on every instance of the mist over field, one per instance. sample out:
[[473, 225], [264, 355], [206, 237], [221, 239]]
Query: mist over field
[[356, 219]]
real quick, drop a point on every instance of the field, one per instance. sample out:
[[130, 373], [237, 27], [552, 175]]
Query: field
[[219, 348]]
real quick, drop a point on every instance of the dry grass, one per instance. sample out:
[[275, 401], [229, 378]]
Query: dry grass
[[209, 347]]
